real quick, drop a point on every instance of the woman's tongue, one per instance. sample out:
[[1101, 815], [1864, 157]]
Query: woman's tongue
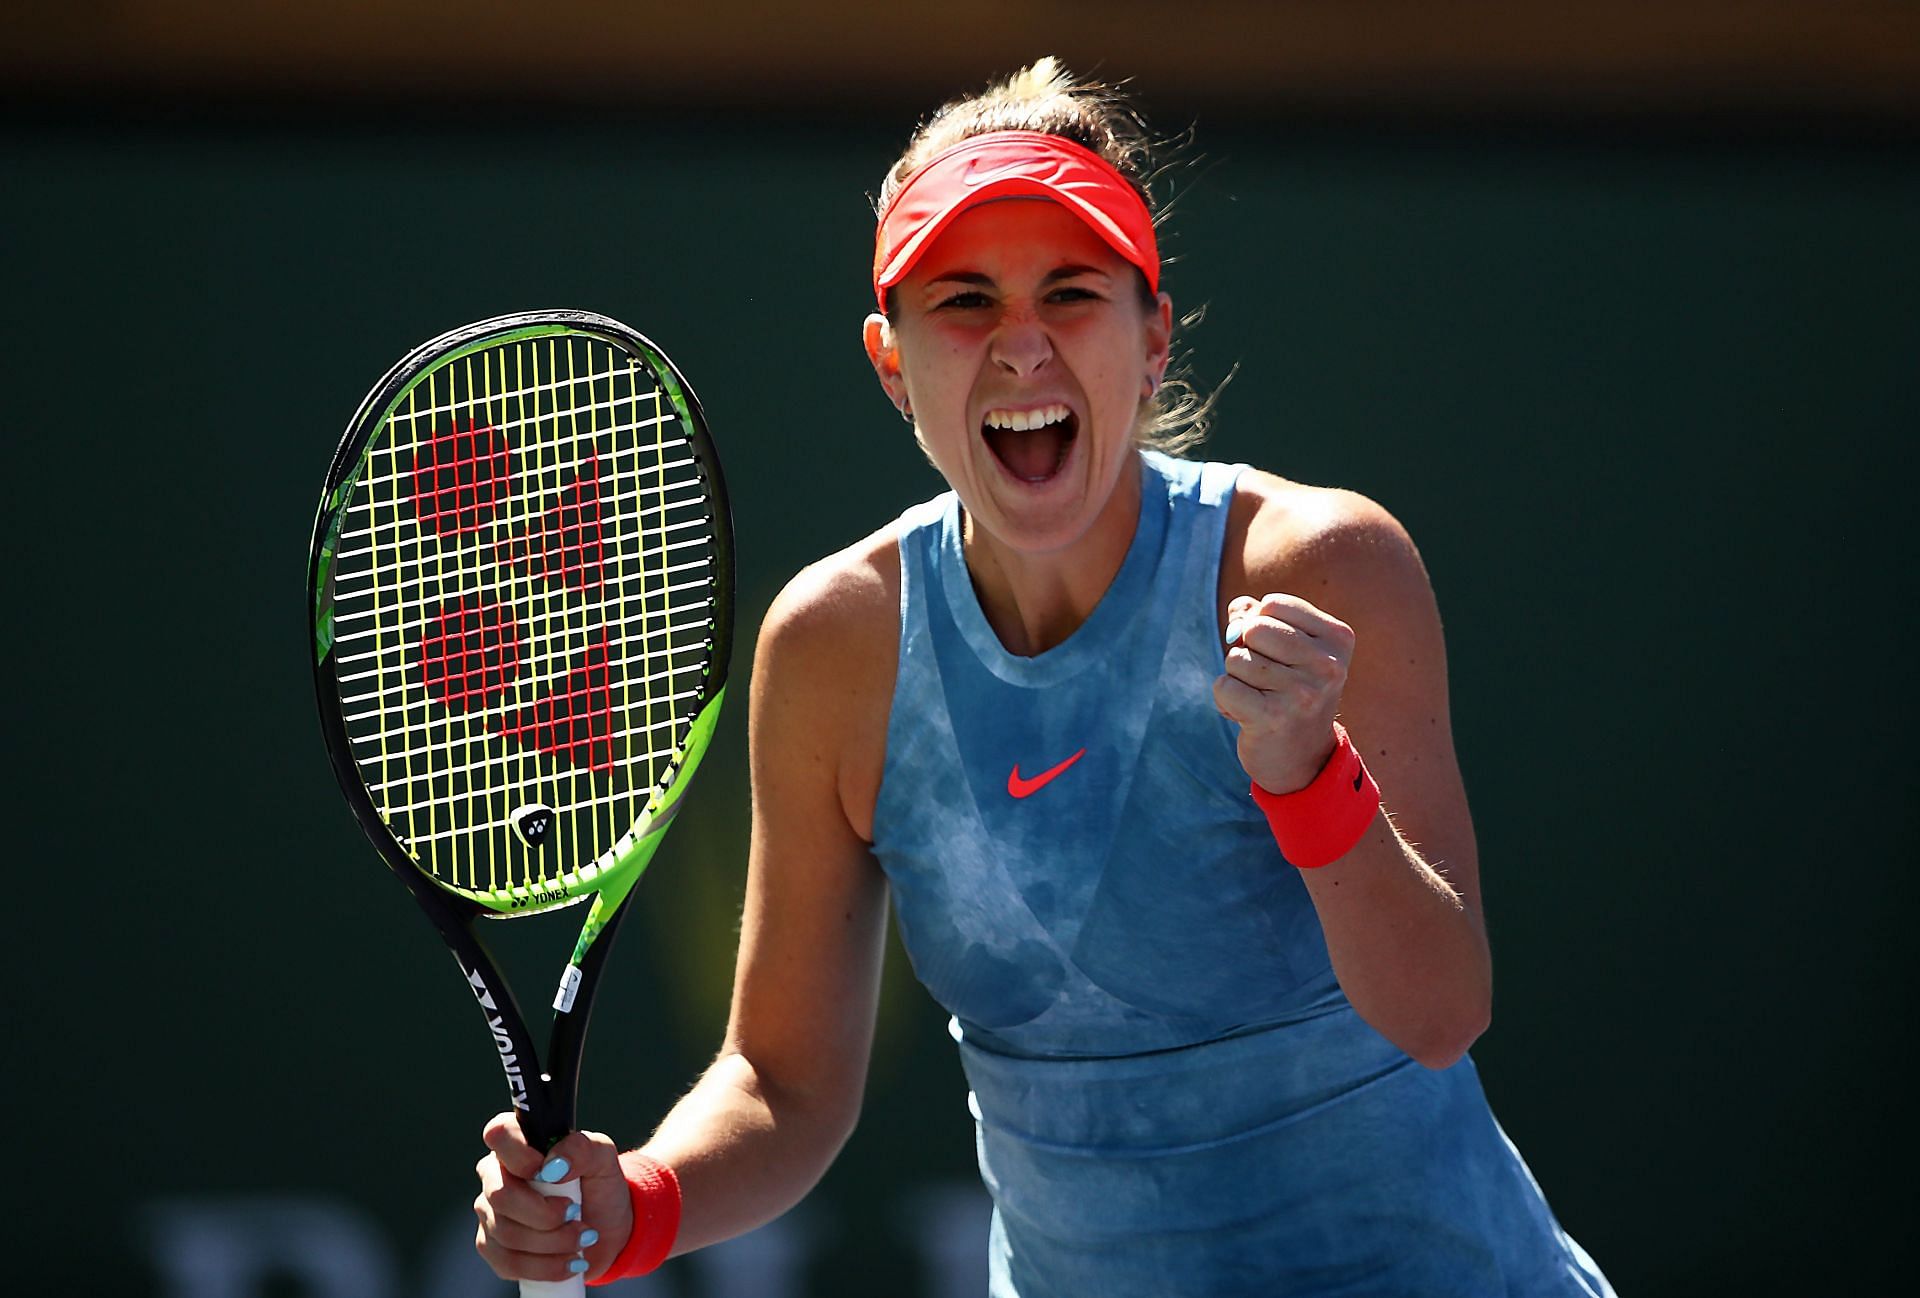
[[1031, 454]]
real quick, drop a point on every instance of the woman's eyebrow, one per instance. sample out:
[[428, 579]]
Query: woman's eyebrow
[[961, 277]]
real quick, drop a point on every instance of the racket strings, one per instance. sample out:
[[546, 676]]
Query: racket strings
[[692, 551], [548, 666], [525, 594], [618, 370], [664, 732], [447, 506]]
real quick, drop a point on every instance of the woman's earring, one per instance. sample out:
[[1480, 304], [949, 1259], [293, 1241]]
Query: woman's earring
[[906, 410], [1153, 385]]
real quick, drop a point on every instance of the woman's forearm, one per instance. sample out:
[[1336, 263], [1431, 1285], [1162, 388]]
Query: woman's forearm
[[1408, 951], [744, 1150]]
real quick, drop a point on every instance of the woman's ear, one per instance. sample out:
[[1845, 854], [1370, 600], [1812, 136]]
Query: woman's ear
[[1159, 338], [883, 350]]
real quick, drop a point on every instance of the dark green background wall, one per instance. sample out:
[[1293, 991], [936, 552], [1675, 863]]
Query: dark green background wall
[[1646, 403]]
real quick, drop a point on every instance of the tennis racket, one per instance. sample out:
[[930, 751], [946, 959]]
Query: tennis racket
[[521, 589]]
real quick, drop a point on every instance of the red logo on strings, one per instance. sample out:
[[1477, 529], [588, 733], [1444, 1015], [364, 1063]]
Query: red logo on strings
[[574, 720], [469, 655], [565, 544], [460, 479]]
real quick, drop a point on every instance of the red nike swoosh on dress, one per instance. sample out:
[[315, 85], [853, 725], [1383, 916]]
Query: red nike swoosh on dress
[[1020, 788]]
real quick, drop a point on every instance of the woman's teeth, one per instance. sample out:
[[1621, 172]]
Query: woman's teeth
[[1023, 420]]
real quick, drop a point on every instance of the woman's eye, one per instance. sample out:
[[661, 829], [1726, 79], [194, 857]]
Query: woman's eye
[[967, 301], [1075, 294]]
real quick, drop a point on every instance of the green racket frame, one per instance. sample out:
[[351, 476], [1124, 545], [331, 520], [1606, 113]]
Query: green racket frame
[[546, 1099]]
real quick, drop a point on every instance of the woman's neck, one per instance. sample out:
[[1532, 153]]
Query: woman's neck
[[1034, 602]]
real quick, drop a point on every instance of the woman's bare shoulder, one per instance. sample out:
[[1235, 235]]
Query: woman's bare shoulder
[[846, 603], [1283, 534], [824, 670]]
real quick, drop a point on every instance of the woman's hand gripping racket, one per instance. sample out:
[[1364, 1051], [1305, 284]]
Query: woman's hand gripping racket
[[521, 587]]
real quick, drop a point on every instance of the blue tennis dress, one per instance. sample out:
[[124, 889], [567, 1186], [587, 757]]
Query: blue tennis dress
[[1173, 1097]]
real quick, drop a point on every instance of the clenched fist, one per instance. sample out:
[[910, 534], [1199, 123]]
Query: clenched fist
[[1286, 667]]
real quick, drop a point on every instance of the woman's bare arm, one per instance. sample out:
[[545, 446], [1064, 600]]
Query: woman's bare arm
[[767, 1117], [1401, 911]]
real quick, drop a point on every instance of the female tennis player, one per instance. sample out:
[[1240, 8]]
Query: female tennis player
[[1153, 758]]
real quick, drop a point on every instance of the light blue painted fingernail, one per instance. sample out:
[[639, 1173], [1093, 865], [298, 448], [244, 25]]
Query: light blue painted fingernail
[[554, 1170], [573, 1212], [589, 1237], [1233, 631], [578, 1265]]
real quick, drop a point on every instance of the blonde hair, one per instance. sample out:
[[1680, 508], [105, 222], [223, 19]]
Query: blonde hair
[[1045, 97]]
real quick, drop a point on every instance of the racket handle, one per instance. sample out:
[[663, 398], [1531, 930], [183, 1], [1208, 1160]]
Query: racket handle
[[573, 1286]]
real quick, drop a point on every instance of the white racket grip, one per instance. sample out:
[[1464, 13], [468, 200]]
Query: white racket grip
[[573, 1286]]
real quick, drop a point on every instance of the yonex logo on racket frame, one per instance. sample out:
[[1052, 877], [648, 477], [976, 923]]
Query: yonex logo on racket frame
[[502, 1040]]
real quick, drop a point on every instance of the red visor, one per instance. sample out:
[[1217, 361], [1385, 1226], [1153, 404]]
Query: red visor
[[1011, 164]]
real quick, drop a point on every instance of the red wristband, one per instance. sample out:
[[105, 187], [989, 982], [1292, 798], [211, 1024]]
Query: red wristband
[[1319, 824], [655, 1193]]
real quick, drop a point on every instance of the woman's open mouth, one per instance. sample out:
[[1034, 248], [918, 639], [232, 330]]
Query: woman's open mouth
[[1031, 444]]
